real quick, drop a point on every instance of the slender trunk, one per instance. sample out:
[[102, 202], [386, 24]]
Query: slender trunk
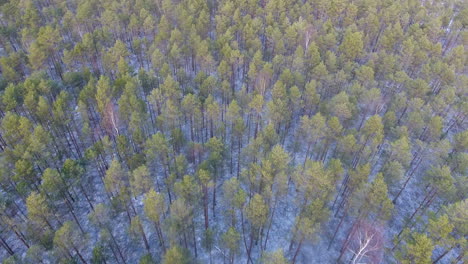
[[261, 244], [249, 251], [442, 255], [115, 254], [6, 246], [117, 246], [87, 197], [249, 259], [72, 212], [362, 120], [402, 114], [297, 250], [407, 180], [336, 230], [21, 237], [345, 180], [459, 258], [79, 255], [76, 220], [231, 150], [73, 139], [271, 222], [325, 151], [129, 216], [452, 125], [69, 254], [18, 207], [211, 257], [348, 237], [256, 126], [211, 128], [205, 207], [145, 239], [185, 241], [194, 239], [214, 192], [191, 128], [416, 211], [48, 224], [167, 185], [306, 155], [343, 201], [160, 237], [239, 146], [132, 206]]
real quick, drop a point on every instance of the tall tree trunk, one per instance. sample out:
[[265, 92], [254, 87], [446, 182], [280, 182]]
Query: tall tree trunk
[[21, 237], [336, 230], [271, 222], [442, 255], [145, 239], [70, 208], [407, 180], [194, 239], [348, 237], [249, 250], [115, 254], [426, 198], [239, 146], [214, 191], [6, 246], [205, 207], [87, 197], [160, 236], [249, 259], [306, 155], [79, 255], [296, 253], [117, 246]]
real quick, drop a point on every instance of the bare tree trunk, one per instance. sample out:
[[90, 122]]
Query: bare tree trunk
[[145, 239], [297, 250], [79, 255], [117, 246], [6, 246], [442, 255], [239, 146], [160, 236], [249, 259], [194, 239], [407, 180], [205, 207], [214, 191], [429, 194], [271, 222], [21, 237], [336, 231]]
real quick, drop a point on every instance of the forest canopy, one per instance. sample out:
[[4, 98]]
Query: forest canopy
[[233, 131]]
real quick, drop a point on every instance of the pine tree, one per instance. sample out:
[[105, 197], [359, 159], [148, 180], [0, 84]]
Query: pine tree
[[418, 250], [68, 241], [175, 255], [154, 207]]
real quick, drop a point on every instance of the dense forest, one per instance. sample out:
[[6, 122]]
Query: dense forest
[[233, 131]]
